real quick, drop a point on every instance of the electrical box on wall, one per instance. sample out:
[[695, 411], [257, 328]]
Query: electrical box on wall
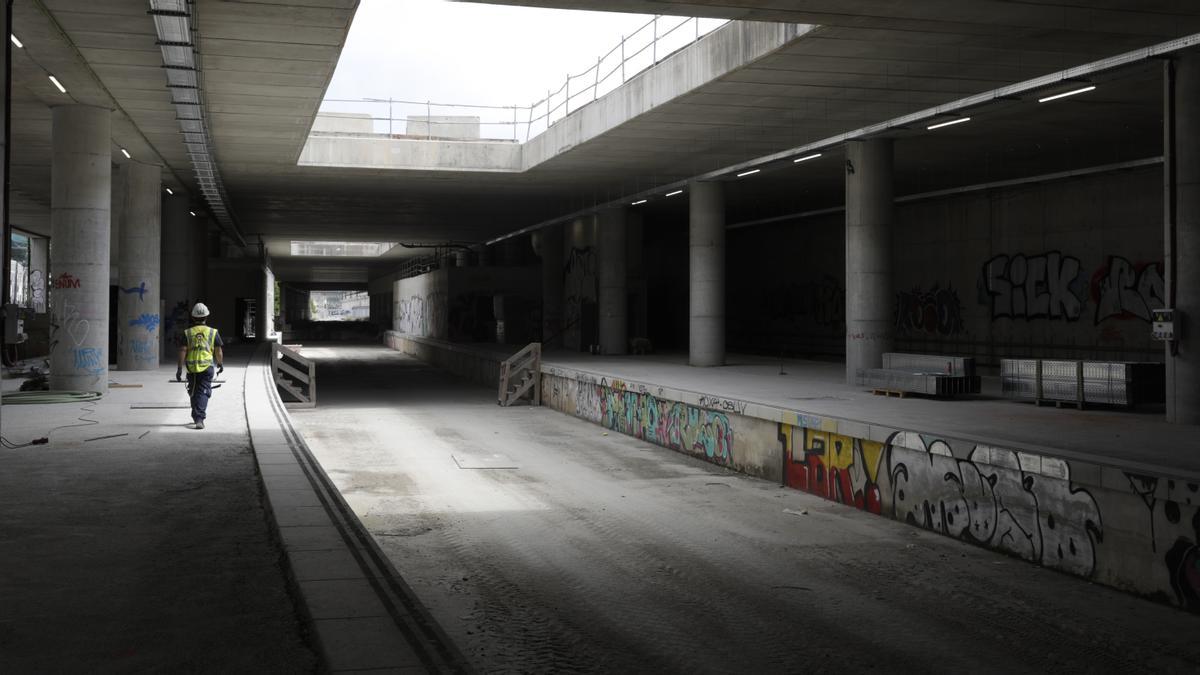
[[1163, 324]]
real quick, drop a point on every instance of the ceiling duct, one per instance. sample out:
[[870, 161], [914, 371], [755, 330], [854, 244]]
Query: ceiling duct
[[173, 23]]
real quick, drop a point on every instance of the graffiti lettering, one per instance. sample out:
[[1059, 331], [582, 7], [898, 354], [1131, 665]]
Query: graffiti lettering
[[89, 359], [147, 321], [144, 349], [1030, 287], [1172, 533], [670, 424], [937, 311], [140, 290], [823, 302], [1124, 291], [833, 466], [580, 285], [65, 280], [726, 404]]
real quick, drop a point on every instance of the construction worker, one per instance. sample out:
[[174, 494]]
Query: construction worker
[[199, 350]]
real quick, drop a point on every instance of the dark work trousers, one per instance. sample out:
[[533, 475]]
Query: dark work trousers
[[200, 389]]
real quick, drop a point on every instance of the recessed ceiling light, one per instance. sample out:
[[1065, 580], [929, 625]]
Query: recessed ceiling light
[[15, 41], [169, 191], [677, 192], [939, 125], [805, 159], [126, 153], [1066, 94], [58, 84], [748, 173], [640, 201]]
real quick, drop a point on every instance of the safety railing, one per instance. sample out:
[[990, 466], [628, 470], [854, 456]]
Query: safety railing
[[645, 47], [521, 374], [295, 375]]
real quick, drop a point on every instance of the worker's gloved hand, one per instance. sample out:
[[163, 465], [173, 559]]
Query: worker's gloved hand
[[220, 368], [179, 374]]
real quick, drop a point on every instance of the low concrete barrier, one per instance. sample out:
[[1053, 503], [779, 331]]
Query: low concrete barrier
[[1134, 529]]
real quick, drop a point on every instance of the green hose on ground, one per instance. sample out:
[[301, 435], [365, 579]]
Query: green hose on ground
[[44, 397]]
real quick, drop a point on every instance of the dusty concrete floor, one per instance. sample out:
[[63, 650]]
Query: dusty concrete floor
[[603, 553], [141, 553]]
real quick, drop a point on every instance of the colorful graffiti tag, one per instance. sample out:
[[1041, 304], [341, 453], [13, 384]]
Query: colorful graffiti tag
[[670, 424], [836, 467], [988, 497]]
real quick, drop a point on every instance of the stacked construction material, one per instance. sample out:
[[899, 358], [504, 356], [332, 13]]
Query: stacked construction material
[[930, 374], [1081, 382]]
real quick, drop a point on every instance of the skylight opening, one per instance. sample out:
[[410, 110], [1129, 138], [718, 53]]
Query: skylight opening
[[518, 70], [342, 249]]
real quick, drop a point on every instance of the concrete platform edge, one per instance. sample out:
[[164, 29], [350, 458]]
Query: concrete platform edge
[[337, 572]]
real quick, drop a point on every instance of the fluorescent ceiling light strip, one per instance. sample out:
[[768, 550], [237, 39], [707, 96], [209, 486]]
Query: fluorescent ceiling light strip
[[15, 41], [126, 153], [672, 194], [748, 173], [640, 201], [170, 192], [192, 212], [805, 159], [1066, 94], [58, 84], [939, 125]]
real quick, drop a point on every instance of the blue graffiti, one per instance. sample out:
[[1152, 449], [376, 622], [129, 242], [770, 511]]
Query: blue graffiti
[[144, 350], [89, 359], [140, 290], [147, 321]]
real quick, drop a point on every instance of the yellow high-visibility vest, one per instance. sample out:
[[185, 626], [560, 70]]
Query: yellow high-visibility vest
[[201, 341]]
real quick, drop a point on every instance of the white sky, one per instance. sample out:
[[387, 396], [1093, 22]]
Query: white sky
[[470, 53]]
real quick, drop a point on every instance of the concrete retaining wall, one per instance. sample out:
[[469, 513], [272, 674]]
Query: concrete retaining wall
[[1060, 269], [475, 365], [1131, 529]]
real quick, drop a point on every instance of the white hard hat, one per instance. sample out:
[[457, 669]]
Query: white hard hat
[[200, 310]]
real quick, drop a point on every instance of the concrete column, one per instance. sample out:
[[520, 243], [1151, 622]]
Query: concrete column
[[138, 312], [869, 322], [706, 273], [80, 202], [176, 299], [553, 291], [612, 233], [1183, 270], [198, 262], [462, 258], [266, 302]]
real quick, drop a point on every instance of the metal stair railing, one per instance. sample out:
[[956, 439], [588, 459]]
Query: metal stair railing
[[521, 374], [295, 375]]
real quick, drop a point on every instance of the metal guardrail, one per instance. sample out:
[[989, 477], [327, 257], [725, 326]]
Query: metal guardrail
[[298, 378], [635, 53]]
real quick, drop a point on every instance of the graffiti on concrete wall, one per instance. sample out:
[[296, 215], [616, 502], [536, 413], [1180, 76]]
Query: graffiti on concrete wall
[[988, 497], [821, 301], [66, 323], [1122, 290], [836, 467], [937, 311], [580, 288], [993, 497], [671, 424], [1049, 285], [140, 290], [422, 315], [1173, 518]]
